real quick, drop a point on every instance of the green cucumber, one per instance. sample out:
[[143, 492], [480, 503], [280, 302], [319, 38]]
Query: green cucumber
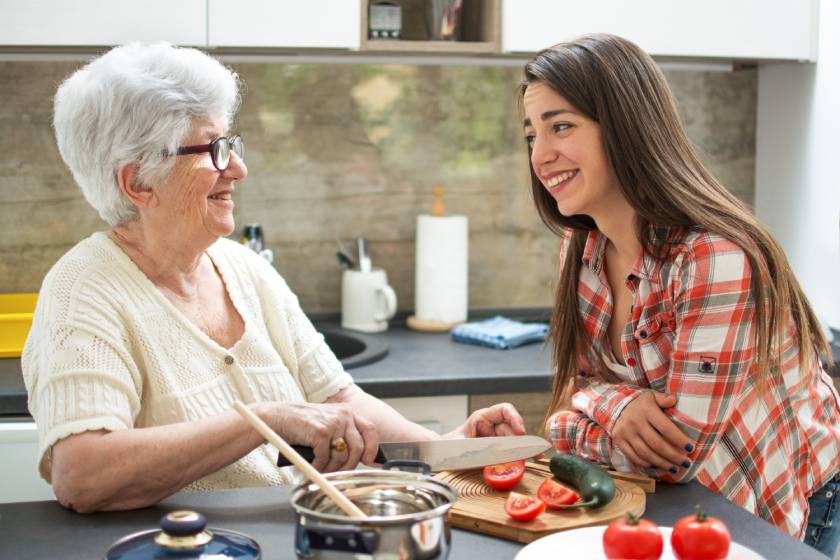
[[594, 485]]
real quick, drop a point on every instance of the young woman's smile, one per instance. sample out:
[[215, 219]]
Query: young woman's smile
[[567, 152]]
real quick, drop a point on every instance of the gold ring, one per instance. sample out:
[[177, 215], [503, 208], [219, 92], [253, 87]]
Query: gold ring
[[339, 444]]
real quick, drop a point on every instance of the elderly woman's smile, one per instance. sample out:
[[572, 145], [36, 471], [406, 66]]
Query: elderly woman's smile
[[146, 334]]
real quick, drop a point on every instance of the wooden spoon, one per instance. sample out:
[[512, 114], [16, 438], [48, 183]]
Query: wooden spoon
[[294, 458]]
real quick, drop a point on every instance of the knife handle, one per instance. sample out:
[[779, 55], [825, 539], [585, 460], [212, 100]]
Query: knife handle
[[309, 455]]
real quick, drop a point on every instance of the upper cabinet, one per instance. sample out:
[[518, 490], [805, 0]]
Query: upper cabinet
[[728, 29], [300, 24], [752, 30], [102, 22]]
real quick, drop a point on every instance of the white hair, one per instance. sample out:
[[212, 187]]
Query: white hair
[[136, 104]]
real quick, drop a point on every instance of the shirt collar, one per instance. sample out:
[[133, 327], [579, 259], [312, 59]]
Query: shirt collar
[[646, 267]]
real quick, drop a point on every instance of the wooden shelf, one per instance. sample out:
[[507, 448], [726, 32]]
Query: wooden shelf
[[480, 30], [455, 47]]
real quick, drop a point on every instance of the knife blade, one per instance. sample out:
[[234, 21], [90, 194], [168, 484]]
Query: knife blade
[[451, 454]]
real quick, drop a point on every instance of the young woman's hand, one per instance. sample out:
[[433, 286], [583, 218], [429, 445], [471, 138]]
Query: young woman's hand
[[648, 437]]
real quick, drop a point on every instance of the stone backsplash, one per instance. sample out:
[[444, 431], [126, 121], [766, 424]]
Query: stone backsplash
[[353, 150]]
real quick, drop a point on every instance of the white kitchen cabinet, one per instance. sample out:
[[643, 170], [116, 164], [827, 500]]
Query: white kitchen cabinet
[[730, 29], [18, 456], [439, 414], [332, 24], [102, 22]]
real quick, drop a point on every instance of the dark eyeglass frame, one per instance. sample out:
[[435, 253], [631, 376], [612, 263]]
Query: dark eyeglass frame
[[232, 143]]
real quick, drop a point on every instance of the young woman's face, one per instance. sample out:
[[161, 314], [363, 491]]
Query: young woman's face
[[567, 153], [196, 194]]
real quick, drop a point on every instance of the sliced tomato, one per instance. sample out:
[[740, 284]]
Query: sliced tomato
[[522, 507], [555, 494], [505, 475]]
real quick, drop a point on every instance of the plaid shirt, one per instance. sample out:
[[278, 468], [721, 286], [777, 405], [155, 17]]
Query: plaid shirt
[[691, 333]]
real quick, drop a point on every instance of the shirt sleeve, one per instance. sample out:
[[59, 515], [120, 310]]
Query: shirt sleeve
[[602, 401], [310, 360], [79, 375], [713, 352], [573, 432]]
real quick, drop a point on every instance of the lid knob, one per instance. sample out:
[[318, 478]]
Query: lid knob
[[183, 530]]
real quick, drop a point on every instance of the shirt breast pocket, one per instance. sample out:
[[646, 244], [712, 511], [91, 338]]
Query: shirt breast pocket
[[654, 338]]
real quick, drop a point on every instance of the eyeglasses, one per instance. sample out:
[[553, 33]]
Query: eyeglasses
[[219, 149]]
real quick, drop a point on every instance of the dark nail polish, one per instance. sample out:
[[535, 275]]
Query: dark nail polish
[[689, 447], [686, 464], [652, 467], [673, 470]]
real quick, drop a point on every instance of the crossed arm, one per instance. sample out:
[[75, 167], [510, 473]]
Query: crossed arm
[[637, 428]]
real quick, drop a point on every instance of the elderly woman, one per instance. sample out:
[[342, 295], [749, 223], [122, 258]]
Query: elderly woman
[[147, 333]]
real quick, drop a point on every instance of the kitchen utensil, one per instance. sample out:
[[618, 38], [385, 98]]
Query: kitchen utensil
[[252, 237], [453, 454], [182, 535], [482, 509], [346, 256], [586, 543], [365, 264], [367, 300], [308, 470], [406, 517], [345, 260]]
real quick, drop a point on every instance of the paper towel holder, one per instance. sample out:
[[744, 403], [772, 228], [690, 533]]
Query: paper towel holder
[[423, 325]]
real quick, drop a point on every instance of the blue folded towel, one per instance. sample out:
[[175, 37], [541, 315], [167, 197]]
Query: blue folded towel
[[499, 332]]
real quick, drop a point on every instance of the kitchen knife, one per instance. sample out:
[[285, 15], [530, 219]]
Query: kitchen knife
[[451, 454]]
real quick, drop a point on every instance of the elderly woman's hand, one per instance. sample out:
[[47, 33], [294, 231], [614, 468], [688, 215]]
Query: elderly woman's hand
[[318, 426], [498, 420]]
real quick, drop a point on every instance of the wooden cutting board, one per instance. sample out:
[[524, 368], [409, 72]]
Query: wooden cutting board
[[481, 509]]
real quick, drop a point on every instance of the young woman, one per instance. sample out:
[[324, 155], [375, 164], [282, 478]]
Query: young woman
[[683, 345]]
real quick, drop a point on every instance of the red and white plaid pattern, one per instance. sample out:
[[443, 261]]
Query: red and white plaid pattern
[[691, 333]]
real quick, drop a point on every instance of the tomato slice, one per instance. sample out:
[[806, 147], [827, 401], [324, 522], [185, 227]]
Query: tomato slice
[[522, 507], [555, 494], [505, 475]]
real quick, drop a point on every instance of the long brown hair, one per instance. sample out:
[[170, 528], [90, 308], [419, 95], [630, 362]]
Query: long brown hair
[[616, 84]]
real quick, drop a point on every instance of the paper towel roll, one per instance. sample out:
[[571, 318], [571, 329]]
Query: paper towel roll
[[440, 280]]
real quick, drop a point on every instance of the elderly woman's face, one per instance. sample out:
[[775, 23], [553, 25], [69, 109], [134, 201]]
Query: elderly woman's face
[[196, 195]]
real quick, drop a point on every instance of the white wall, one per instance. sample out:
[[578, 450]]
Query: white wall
[[798, 164]]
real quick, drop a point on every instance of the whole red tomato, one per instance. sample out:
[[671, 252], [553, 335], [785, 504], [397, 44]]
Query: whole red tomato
[[632, 538], [700, 537], [505, 475]]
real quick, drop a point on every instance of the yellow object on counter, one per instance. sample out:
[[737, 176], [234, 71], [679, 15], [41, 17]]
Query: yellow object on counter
[[15, 320]]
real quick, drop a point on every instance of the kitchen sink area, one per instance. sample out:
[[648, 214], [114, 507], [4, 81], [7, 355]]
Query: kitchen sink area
[[354, 349]]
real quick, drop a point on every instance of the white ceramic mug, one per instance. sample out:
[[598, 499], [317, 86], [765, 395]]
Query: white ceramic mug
[[367, 301]]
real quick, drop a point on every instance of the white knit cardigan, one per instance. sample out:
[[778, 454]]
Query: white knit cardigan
[[108, 351]]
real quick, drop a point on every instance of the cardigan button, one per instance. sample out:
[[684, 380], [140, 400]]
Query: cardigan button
[[229, 359], [631, 362], [643, 334]]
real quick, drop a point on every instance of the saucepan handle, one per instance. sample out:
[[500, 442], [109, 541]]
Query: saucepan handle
[[342, 539]]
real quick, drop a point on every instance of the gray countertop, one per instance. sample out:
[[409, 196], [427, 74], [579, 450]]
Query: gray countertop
[[417, 364], [37, 530]]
